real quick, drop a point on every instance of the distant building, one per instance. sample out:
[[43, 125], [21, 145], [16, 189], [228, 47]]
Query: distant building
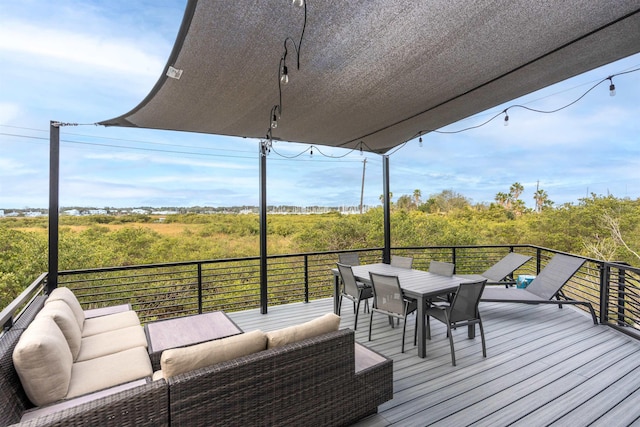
[[72, 212]]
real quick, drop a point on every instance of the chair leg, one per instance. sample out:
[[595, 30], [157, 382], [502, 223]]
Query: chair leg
[[370, 324], [484, 346], [404, 329], [428, 328], [355, 323], [453, 352]]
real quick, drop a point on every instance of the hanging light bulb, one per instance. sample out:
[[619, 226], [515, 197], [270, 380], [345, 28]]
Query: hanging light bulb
[[284, 78], [506, 119], [612, 88], [420, 141], [274, 121], [311, 152], [298, 3]]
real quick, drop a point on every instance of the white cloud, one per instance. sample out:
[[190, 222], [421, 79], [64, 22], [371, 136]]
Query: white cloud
[[78, 53]]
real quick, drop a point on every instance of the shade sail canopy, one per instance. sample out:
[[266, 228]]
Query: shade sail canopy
[[373, 73]]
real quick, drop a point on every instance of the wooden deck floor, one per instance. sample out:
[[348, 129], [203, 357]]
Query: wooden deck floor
[[544, 366]]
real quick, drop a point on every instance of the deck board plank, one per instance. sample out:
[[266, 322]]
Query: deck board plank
[[543, 365]]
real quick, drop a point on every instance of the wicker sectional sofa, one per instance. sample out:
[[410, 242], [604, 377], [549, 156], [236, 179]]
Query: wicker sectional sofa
[[323, 380]]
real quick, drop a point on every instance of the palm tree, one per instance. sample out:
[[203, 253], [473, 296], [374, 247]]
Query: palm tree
[[542, 198], [516, 190], [502, 199], [417, 194], [382, 197]]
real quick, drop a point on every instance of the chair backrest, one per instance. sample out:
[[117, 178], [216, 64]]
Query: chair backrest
[[387, 293], [401, 261], [465, 302], [505, 266], [441, 268], [554, 275], [348, 279], [349, 258]]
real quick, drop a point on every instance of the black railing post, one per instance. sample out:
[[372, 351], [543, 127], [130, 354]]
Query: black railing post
[[306, 278], [54, 204], [538, 260], [605, 273], [199, 288], [621, 296], [454, 255], [263, 228], [386, 252]]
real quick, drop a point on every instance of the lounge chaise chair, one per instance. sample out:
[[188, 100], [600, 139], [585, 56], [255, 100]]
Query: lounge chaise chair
[[502, 271], [546, 286]]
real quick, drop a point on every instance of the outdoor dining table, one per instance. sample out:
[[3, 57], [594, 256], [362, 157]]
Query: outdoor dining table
[[418, 284]]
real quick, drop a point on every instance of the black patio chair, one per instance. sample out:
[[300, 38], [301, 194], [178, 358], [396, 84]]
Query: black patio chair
[[401, 261], [442, 268], [462, 311], [353, 290], [349, 258], [389, 299]]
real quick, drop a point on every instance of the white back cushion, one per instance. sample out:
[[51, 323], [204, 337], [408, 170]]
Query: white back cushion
[[180, 360], [66, 295], [43, 361], [319, 326], [61, 313]]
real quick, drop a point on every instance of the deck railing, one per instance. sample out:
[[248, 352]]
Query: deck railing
[[166, 290]]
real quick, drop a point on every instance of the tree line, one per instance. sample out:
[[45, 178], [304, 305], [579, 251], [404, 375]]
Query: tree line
[[602, 227]]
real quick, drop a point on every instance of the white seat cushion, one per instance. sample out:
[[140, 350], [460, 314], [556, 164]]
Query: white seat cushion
[[43, 361], [108, 371], [111, 342], [111, 322]]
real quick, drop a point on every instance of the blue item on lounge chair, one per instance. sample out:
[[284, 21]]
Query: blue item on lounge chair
[[523, 280]]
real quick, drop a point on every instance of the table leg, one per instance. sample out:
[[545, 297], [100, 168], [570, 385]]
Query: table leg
[[471, 331], [421, 325]]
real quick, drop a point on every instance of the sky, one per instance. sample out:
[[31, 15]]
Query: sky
[[87, 61]]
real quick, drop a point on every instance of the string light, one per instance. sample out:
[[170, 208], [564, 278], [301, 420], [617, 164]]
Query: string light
[[420, 141], [275, 110], [612, 87], [506, 118], [283, 71]]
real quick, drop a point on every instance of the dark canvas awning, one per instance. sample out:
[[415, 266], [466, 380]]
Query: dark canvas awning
[[375, 72]]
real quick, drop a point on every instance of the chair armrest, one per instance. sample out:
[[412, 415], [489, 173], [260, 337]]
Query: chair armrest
[[137, 403]]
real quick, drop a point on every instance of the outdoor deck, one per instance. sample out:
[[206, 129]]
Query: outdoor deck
[[544, 366]]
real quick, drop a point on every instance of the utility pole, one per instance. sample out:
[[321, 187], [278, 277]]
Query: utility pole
[[364, 166]]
